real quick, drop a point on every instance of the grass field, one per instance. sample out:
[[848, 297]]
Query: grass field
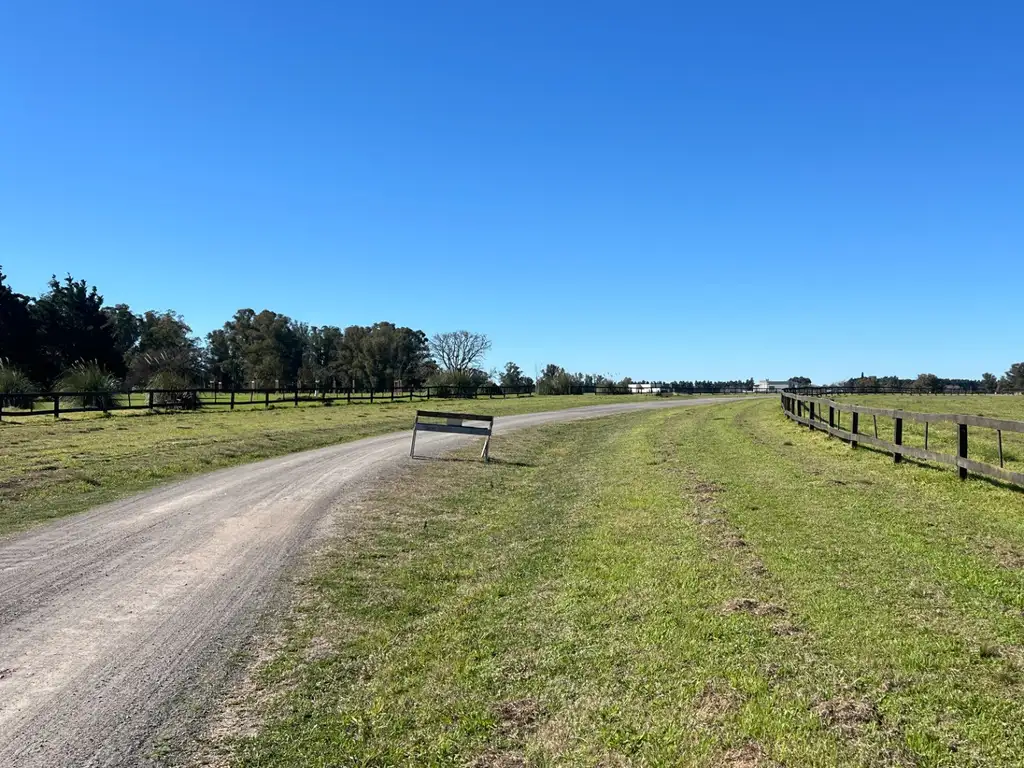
[[997, 406], [53, 468], [704, 586], [983, 443]]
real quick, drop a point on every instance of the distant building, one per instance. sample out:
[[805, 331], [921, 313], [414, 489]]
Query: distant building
[[767, 385], [644, 389]]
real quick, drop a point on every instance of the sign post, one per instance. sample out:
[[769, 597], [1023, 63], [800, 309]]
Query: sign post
[[453, 424]]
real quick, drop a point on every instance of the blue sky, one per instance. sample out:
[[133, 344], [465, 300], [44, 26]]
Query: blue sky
[[661, 190]]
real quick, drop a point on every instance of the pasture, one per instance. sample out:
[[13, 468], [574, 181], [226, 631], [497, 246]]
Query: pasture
[[697, 586], [51, 468], [943, 437]]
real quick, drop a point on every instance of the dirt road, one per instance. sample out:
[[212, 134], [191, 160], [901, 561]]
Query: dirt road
[[115, 622]]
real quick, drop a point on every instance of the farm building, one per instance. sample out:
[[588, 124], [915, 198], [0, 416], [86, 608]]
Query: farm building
[[644, 389], [767, 385]]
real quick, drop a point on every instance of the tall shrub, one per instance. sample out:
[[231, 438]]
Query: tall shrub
[[174, 391], [16, 389], [89, 385]]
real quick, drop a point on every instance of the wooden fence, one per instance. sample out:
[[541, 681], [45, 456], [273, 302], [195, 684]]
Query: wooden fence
[[811, 411], [58, 403], [910, 389]]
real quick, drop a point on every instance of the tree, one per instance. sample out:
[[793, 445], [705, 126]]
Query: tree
[[799, 381], [165, 346], [72, 328], [262, 349], [512, 376], [459, 350], [223, 360], [928, 382], [400, 354], [989, 383], [865, 383], [1013, 379], [17, 328], [554, 380], [164, 330], [377, 356], [125, 326], [319, 351]]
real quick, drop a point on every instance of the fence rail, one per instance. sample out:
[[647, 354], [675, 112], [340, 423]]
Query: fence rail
[[810, 411], [860, 389], [56, 404], [59, 403]]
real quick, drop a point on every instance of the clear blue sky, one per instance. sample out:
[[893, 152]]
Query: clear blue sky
[[661, 190]]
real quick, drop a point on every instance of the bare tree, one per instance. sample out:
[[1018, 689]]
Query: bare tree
[[459, 350]]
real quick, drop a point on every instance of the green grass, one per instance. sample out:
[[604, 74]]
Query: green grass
[[982, 443], [705, 587], [53, 468]]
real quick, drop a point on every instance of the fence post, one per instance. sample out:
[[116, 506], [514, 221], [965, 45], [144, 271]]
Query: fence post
[[962, 445], [897, 457], [232, 406], [296, 395], [348, 395], [832, 416], [151, 399], [811, 425], [266, 398], [371, 394], [853, 429], [56, 406]]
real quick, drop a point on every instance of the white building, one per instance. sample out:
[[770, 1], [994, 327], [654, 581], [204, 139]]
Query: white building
[[767, 385], [644, 389]]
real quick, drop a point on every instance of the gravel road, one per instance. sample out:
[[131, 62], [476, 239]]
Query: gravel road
[[115, 622]]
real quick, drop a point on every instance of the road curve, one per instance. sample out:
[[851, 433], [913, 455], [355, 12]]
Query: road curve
[[113, 622]]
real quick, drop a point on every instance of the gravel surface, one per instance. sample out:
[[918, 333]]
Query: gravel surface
[[118, 622]]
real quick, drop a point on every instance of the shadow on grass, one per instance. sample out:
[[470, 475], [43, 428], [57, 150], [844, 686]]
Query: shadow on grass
[[993, 481], [503, 462]]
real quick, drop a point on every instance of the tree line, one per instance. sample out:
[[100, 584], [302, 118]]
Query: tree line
[[1011, 381], [67, 338], [555, 380]]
